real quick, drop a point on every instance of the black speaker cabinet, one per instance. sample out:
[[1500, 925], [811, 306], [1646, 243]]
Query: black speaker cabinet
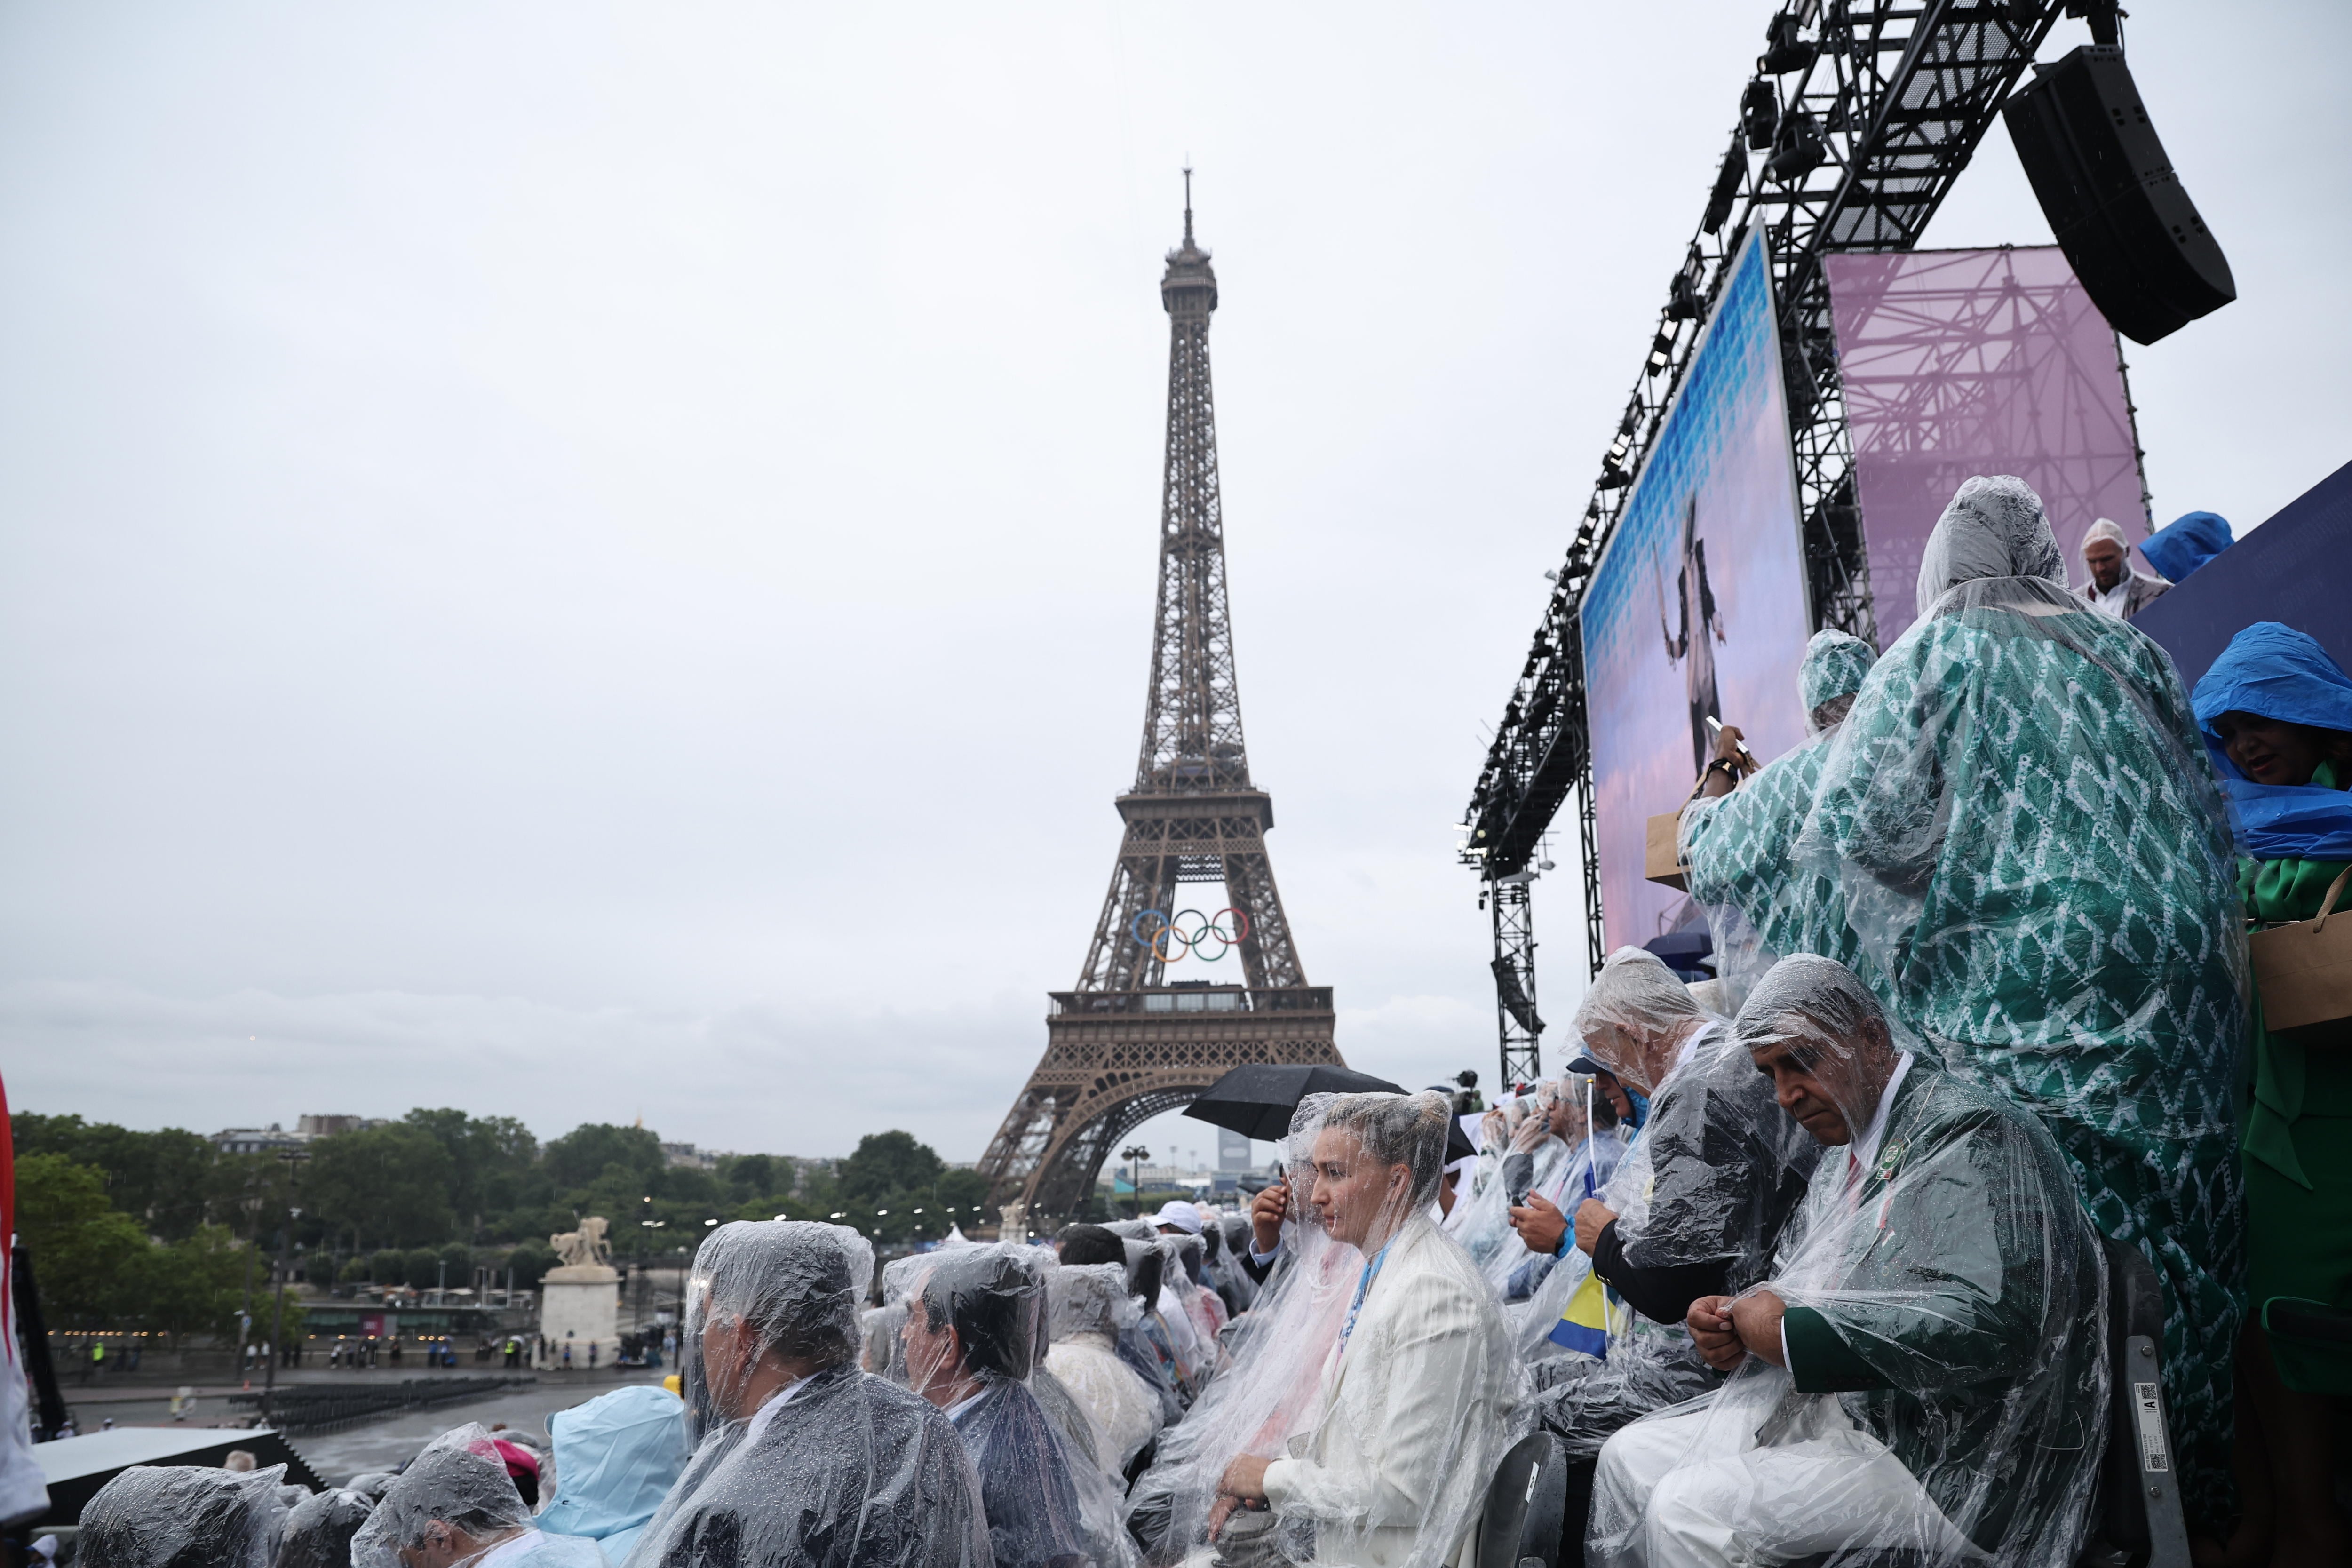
[[2119, 213]]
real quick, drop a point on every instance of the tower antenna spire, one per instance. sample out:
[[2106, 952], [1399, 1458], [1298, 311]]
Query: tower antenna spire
[[1188, 201]]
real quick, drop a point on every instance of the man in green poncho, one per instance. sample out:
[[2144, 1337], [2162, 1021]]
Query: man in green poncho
[[1737, 841], [2037, 868]]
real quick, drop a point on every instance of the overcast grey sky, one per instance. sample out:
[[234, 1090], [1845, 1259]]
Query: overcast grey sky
[[582, 562]]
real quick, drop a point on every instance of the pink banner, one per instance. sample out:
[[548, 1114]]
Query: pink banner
[[1959, 363]]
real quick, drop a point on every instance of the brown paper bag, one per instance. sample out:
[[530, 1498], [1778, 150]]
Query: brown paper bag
[[1661, 862], [2303, 971]]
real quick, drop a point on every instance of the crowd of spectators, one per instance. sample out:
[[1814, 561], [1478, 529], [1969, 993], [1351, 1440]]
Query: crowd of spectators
[[1805, 1262]]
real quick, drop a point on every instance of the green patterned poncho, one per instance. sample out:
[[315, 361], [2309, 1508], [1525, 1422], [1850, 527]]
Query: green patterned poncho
[[1760, 906], [2037, 865]]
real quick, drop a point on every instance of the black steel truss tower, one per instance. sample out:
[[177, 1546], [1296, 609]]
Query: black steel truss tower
[[1127, 1044], [1859, 118]]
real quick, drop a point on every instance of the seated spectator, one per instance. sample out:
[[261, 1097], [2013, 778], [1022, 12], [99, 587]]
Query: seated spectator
[[1694, 1208], [456, 1507], [1735, 841], [1177, 1217], [2276, 713], [2035, 860], [1925, 1374], [804, 1458], [1087, 1304], [181, 1516], [2115, 589], [616, 1457], [319, 1527], [971, 1333], [1415, 1401]]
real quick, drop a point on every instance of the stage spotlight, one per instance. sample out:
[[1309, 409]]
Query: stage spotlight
[[1800, 149], [1760, 114], [1727, 187], [1682, 299], [1783, 50], [1662, 349]]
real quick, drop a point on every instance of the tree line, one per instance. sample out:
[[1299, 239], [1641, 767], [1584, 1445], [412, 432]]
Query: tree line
[[162, 1231]]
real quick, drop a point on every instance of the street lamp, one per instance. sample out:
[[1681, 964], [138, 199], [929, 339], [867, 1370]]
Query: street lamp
[[1135, 1155], [293, 1158]]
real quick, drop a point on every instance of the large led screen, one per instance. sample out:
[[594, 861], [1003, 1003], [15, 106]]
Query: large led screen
[[1697, 608], [1959, 363]]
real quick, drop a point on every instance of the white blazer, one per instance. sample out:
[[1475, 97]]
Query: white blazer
[[1415, 1413]]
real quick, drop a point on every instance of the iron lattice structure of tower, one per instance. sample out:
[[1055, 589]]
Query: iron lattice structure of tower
[[1128, 1044]]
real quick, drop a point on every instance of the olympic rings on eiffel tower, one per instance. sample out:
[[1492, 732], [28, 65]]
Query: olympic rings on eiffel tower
[[1170, 940]]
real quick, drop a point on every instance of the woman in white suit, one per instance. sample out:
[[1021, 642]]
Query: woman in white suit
[[1420, 1394]]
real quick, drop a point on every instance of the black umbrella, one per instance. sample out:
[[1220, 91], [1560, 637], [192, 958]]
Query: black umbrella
[[1258, 1100]]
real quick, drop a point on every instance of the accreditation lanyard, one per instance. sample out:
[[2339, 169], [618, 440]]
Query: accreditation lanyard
[[1371, 1271]]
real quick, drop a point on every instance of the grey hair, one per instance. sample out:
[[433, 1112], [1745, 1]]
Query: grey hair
[[1814, 1003]]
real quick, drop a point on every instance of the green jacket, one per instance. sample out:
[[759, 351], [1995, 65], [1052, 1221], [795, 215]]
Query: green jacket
[[1952, 1299], [2286, 1087]]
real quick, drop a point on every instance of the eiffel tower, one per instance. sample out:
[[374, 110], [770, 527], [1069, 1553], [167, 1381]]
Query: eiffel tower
[[1128, 1044]]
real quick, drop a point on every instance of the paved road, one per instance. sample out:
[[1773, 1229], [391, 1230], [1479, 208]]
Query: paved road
[[378, 1445]]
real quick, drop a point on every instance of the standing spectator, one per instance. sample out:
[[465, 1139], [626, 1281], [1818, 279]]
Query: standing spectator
[[2037, 866], [971, 1337], [2115, 589], [616, 1457]]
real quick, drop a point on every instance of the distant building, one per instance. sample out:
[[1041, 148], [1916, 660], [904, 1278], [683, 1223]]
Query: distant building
[[684, 1155], [257, 1139], [328, 1126]]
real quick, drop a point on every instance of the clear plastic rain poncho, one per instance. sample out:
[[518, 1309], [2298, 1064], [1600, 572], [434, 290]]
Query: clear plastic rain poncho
[[319, 1527], [616, 1457], [1944, 1399], [1376, 1374], [1165, 1326], [1700, 1198], [1760, 905], [2037, 868], [839, 1465], [975, 1323], [1548, 1151], [183, 1516], [1089, 1307], [454, 1505]]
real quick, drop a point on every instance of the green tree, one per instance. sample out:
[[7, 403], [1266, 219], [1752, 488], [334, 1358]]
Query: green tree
[[421, 1269], [490, 1160], [529, 1261], [162, 1179], [194, 1285], [749, 1176], [87, 1255], [888, 1163], [582, 1156], [388, 1184]]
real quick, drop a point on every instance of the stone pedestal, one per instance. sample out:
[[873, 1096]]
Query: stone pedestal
[[580, 1305]]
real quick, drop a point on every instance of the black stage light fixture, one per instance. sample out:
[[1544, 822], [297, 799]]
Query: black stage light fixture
[[1727, 187], [1783, 50], [1662, 351], [1800, 150], [2117, 210], [1682, 299], [1759, 113]]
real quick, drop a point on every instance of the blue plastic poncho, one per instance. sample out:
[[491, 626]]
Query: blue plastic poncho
[[616, 1457], [2185, 543], [2273, 671]]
